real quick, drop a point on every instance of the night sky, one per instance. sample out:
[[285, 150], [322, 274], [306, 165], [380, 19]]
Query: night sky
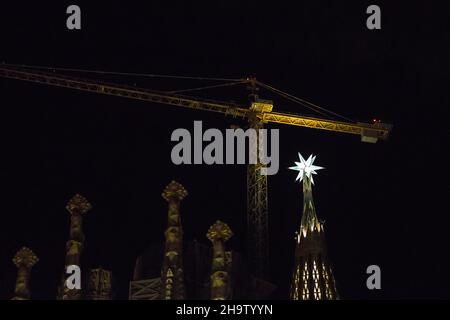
[[383, 203]]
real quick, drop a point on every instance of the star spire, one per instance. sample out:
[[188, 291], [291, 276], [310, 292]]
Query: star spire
[[306, 168]]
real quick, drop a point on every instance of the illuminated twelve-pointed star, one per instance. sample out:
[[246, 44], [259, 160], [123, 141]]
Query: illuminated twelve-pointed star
[[306, 168]]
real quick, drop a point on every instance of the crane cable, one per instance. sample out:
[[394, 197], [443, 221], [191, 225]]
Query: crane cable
[[231, 82], [228, 84], [123, 73], [304, 103]]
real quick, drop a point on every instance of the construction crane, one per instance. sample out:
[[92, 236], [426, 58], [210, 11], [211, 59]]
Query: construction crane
[[259, 113]]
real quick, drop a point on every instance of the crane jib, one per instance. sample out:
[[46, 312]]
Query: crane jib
[[260, 110]]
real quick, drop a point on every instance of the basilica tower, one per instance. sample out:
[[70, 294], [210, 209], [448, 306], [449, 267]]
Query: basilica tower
[[312, 277]]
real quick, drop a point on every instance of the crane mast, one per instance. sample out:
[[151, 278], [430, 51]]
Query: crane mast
[[257, 200], [259, 113]]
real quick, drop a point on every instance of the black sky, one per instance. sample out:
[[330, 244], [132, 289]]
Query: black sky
[[384, 204]]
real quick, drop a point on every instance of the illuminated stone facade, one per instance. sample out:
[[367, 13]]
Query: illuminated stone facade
[[312, 275]]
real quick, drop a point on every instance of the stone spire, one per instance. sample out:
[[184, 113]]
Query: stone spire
[[24, 260], [309, 222], [77, 207], [312, 276], [172, 276], [218, 234]]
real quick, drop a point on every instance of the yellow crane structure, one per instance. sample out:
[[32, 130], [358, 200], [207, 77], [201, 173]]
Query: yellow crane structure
[[258, 113]]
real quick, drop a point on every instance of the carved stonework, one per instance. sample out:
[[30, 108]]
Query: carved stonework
[[219, 285], [173, 242], [77, 207], [73, 252], [24, 260], [100, 284], [25, 257], [172, 276], [78, 204], [71, 294], [218, 234], [174, 192], [219, 231], [312, 276]]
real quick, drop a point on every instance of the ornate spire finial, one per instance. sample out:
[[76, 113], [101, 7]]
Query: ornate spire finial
[[306, 168], [219, 231], [78, 204], [174, 191], [25, 257]]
